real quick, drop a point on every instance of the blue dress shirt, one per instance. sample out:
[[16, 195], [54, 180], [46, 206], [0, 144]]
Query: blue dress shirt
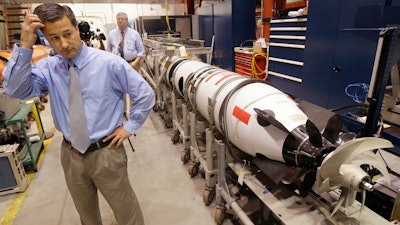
[[133, 46], [104, 79]]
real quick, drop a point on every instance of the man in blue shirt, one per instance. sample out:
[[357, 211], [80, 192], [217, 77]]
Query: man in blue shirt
[[127, 43], [131, 48], [104, 79]]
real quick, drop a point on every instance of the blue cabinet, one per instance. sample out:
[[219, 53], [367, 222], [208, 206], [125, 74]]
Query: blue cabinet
[[338, 52], [340, 47], [231, 23], [286, 54]]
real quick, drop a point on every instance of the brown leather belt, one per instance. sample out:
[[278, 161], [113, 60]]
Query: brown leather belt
[[93, 147]]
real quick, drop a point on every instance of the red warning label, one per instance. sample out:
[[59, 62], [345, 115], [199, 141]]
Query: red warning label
[[241, 115]]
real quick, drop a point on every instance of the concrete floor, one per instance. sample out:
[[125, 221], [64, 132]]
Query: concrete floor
[[162, 184]]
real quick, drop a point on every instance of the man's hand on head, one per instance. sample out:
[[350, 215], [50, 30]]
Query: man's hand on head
[[29, 30]]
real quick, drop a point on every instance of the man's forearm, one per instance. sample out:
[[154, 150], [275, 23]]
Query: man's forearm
[[17, 73]]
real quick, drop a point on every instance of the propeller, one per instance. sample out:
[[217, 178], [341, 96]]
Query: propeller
[[307, 184], [341, 168], [314, 134], [333, 128], [266, 118]]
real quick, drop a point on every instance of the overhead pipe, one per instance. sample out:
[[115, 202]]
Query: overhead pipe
[[267, 14]]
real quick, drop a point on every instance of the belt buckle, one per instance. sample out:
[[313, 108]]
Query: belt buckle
[[74, 150], [95, 146]]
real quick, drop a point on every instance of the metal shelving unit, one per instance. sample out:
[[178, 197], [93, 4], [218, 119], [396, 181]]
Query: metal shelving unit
[[33, 148]]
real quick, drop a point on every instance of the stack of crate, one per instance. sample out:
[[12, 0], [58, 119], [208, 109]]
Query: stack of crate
[[14, 15]]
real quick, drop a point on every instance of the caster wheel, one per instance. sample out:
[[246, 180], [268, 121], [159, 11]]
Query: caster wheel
[[168, 124], [219, 215], [156, 108], [193, 169], [175, 137], [185, 156], [208, 196], [203, 173], [30, 167]]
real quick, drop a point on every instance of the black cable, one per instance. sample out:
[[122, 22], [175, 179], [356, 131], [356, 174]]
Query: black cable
[[241, 44], [349, 106], [129, 140]]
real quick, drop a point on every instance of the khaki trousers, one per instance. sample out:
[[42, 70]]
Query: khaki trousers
[[104, 170]]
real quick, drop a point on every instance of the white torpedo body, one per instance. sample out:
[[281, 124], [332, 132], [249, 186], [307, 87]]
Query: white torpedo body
[[261, 120]]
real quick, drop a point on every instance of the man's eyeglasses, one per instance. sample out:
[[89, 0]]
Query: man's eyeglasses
[[121, 19]]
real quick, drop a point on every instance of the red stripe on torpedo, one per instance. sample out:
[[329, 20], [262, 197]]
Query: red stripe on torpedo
[[241, 115]]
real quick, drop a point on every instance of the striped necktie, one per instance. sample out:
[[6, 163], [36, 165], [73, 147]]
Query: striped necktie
[[121, 45], [77, 119]]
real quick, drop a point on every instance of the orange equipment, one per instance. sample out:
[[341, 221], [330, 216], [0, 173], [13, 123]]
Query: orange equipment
[[39, 52]]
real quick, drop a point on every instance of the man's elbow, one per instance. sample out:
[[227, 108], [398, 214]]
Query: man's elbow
[[15, 92]]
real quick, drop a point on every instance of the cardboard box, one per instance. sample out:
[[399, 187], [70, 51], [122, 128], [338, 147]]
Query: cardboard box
[[305, 11], [257, 48]]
